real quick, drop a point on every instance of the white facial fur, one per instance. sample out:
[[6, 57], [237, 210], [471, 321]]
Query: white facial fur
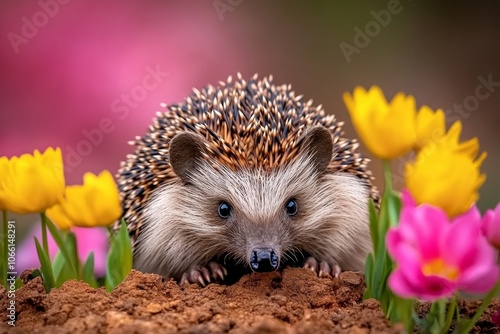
[[183, 228]]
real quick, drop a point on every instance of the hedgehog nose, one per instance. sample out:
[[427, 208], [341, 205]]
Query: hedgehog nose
[[264, 259]]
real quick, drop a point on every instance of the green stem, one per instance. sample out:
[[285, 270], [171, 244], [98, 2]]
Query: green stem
[[45, 242], [482, 308], [70, 235], [5, 249], [441, 312], [434, 319], [386, 164], [432, 315], [449, 317], [111, 233]]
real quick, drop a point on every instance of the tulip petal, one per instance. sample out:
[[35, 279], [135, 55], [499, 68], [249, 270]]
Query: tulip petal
[[430, 126], [437, 287], [400, 286], [431, 289], [491, 226], [480, 281], [434, 258], [459, 245], [409, 262], [407, 199], [393, 239], [95, 203], [481, 275], [435, 179], [32, 183], [420, 226], [378, 122]]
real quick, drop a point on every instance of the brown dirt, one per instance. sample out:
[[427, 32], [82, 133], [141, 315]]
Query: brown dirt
[[293, 301]]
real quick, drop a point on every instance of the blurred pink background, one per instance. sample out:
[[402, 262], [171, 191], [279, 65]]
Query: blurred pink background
[[69, 83], [88, 76], [87, 240]]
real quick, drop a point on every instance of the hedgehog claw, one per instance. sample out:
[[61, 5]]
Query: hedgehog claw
[[336, 270], [218, 271], [323, 268], [311, 264], [206, 274], [203, 275]]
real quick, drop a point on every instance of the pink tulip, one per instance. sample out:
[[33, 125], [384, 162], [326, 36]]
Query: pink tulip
[[407, 199], [491, 226], [435, 257], [88, 240]]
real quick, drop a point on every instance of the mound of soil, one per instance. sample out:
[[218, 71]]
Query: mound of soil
[[291, 301]]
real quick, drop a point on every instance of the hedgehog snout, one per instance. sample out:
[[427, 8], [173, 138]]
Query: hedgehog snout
[[264, 259]]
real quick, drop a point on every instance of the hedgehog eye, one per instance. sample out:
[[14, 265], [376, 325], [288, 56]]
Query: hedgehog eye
[[291, 207], [224, 210]]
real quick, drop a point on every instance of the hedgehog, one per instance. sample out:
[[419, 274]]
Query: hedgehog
[[245, 175]]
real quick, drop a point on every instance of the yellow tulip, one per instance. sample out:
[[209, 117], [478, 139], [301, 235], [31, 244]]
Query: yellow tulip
[[31, 183], [430, 126], [95, 203], [4, 163], [452, 138], [445, 177], [387, 129]]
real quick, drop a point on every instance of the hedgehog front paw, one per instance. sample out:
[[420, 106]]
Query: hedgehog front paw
[[323, 268], [204, 274]]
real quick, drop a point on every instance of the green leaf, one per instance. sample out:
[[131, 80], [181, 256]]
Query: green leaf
[[46, 268], [379, 276], [62, 271], [36, 273], [119, 260], [379, 265], [463, 325], [373, 225], [71, 245], [57, 235], [383, 226], [393, 208], [58, 264], [383, 265], [88, 271], [368, 276], [19, 282], [401, 310]]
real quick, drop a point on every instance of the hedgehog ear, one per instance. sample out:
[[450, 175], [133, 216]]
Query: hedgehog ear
[[318, 143], [186, 149]]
